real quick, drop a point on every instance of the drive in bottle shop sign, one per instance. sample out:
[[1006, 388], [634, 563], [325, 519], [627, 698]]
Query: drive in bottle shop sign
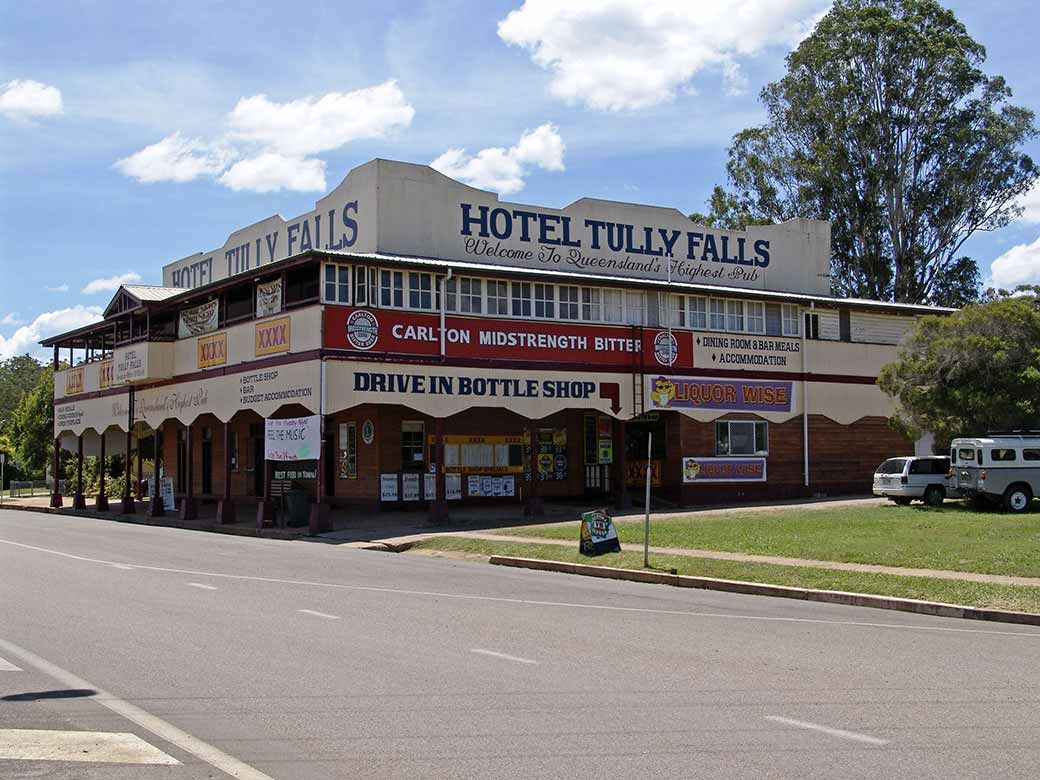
[[411, 333]]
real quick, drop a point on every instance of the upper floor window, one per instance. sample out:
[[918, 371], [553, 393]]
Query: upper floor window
[[612, 305], [420, 290], [756, 316], [337, 283], [735, 316], [568, 302], [544, 301], [498, 298], [789, 320], [635, 307], [521, 299], [391, 289], [464, 295], [717, 314], [698, 313], [590, 304]]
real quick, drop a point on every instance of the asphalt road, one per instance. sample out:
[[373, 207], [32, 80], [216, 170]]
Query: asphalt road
[[296, 660]]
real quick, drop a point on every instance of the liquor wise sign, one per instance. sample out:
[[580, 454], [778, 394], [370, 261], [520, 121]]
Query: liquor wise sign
[[412, 210], [410, 333]]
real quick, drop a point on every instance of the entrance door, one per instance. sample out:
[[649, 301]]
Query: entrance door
[[597, 475], [207, 461]]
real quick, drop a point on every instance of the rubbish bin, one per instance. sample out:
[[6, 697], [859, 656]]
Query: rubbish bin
[[298, 503]]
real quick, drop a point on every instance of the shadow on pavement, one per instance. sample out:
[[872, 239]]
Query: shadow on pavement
[[67, 693]]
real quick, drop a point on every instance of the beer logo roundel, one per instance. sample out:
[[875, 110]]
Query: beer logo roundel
[[666, 348], [362, 329]]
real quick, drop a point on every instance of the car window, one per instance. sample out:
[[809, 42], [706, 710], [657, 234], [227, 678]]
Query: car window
[[1030, 454], [941, 466], [892, 466], [1002, 454], [920, 467], [966, 455]]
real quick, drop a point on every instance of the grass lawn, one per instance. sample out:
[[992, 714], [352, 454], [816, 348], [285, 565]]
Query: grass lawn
[[953, 537], [1022, 599]]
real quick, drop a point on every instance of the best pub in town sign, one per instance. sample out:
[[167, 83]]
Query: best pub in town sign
[[412, 211]]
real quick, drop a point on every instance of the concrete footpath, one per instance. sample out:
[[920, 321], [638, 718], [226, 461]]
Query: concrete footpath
[[939, 574]]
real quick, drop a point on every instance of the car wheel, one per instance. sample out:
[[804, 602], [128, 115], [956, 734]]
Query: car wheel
[[1017, 498], [933, 496], [902, 501]]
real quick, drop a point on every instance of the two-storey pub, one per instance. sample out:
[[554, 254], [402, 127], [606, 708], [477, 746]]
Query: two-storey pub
[[456, 349]]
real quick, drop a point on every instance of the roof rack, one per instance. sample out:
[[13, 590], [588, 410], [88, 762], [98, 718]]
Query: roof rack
[[1019, 433]]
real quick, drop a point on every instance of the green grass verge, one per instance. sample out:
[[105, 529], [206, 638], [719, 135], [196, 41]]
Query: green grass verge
[[1022, 599], [953, 537]]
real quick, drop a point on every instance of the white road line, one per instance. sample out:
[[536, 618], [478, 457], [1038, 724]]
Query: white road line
[[1033, 635], [7, 666], [202, 585], [318, 614], [111, 748], [121, 566], [841, 733], [167, 731], [503, 656]]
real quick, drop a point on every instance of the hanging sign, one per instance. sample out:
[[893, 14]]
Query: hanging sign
[[724, 470], [388, 487], [73, 381], [211, 350], [268, 298], [293, 470], [198, 320], [598, 534], [688, 392], [294, 438]]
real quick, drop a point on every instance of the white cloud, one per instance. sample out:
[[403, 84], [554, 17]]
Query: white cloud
[[61, 288], [173, 159], [270, 172], [625, 55], [11, 319], [268, 145], [1030, 203], [26, 339], [317, 124], [504, 170], [26, 99], [110, 284], [1018, 265]]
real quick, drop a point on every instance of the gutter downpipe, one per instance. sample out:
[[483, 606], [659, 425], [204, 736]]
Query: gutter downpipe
[[805, 401], [444, 304]]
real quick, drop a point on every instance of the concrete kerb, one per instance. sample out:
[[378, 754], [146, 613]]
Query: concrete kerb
[[934, 608]]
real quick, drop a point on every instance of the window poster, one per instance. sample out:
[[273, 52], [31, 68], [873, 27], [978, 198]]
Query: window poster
[[473, 485], [453, 487], [410, 486]]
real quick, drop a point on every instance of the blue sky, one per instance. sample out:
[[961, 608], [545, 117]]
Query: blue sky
[[173, 94]]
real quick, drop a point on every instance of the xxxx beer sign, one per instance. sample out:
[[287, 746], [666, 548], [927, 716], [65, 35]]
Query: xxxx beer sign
[[74, 381], [212, 350], [272, 336], [106, 374]]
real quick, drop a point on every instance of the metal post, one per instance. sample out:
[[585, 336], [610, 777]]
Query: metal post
[[646, 529]]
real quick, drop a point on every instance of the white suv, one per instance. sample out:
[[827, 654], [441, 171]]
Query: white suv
[[904, 479]]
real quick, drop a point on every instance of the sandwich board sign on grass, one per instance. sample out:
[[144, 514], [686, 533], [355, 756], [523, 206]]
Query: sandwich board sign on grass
[[598, 534]]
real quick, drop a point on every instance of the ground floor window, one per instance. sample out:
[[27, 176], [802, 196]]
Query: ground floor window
[[741, 437], [413, 448]]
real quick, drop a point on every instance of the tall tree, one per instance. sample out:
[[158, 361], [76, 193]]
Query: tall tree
[[18, 376], [973, 371], [32, 426], [886, 125]]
